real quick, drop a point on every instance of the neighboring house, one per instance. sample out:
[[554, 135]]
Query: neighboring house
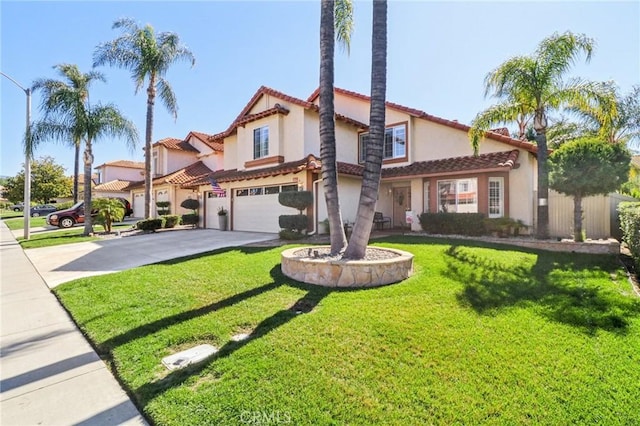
[[115, 178], [94, 182], [176, 162], [273, 145]]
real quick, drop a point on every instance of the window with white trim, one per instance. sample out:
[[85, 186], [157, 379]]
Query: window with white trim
[[260, 142], [425, 207], [458, 195], [496, 197], [394, 146]]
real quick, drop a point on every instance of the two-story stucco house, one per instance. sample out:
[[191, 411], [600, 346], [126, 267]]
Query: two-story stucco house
[[273, 145], [115, 177]]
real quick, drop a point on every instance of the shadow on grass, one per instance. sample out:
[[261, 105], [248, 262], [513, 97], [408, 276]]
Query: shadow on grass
[[305, 304], [560, 285]]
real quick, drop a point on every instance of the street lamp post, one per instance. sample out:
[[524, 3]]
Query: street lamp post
[[27, 162]]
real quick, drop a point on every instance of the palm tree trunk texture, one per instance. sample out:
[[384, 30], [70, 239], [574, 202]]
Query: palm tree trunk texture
[[577, 218], [148, 154], [88, 162], [327, 128], [76, 171], [542, 231], [373, 165]]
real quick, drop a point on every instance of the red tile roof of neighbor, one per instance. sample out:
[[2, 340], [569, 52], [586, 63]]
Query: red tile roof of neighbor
[[205, 138], [497, 134], [114, 185], [179, 177], [494, 161], [123, 163], [176, 144]]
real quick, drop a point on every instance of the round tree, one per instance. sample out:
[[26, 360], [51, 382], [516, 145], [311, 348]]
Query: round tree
[[587, 167]]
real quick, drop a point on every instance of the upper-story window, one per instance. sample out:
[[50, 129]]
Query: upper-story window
[[395, 143], [261, 142]]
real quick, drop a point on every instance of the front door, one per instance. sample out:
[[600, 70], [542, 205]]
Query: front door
[[401, 203]]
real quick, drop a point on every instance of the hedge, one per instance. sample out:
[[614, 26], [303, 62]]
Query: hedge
[[630, 226], [299, 200], [298, 222], [472, 224], [170, 220], [190, 219], [150, 224]]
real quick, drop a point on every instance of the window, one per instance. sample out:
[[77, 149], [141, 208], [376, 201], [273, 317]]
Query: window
[[458, 196], [394, 146], [496, 197], [255, 191], [242, 192], [289, 188], [272, 190], [260, 142], [425, 207]]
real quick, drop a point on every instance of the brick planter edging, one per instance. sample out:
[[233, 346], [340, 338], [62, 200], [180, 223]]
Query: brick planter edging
[[610, 246], [347, 273]]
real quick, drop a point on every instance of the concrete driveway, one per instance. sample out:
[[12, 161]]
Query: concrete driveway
[[59, 264]]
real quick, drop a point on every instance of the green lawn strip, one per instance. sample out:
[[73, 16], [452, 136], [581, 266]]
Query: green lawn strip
[[480, 334], [18, 223], [59, 237], [9, 214]]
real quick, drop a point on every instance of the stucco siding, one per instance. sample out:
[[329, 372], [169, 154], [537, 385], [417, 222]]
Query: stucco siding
[[110, 173]]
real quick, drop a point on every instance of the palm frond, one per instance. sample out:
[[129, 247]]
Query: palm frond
[[503, 113], [165, 92], [344, 23]]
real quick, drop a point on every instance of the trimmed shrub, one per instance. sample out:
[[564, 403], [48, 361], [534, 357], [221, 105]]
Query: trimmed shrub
[[299, 200], [298, 222], [171, 220], [190, 204], [150, 224], [163, 207], [630, 225], [453, 223], [288, 234], [190, 219], [503, 226]]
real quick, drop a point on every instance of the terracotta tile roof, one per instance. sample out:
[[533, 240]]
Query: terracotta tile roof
[[308, 163], [180, 177], [123, 163], [176, 144], [499, 136], [114, 185], [202, 136], [243, 118], [494, 161], [277, 109]]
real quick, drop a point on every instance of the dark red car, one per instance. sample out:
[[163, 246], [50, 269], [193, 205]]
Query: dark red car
[[69, 217]]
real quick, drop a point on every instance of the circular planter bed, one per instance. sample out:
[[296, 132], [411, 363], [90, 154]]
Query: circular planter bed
[[312, 265]]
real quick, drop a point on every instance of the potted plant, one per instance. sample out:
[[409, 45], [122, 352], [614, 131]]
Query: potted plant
[[222, 218]]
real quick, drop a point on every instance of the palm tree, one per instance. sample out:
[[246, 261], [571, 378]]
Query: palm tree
[[93, 123], [67, 97], [616, 118], [531, 86], [373, 162], [147, 56], [336, 20]]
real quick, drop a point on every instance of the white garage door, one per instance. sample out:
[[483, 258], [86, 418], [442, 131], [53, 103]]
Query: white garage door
[[257, 209], [138, 205]]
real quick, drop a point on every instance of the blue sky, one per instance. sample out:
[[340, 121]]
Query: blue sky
[[439, 54]]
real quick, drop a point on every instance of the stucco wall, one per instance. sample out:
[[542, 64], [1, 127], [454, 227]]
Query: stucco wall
[[109, 173]]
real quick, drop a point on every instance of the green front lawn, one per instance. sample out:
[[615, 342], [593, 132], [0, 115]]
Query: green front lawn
[[18, 223], [67, 236], [480, 334]]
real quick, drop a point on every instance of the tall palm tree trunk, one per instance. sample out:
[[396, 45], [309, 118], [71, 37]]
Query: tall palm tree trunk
[[148, 154], [540, 126], [373, 165], [327, 127], [76, 170], [88, 162]]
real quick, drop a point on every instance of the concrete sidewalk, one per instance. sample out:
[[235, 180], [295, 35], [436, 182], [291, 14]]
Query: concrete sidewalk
[[49, 374]]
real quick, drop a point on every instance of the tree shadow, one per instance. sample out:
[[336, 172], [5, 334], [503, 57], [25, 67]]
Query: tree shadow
[[556, 283], [303, 305]]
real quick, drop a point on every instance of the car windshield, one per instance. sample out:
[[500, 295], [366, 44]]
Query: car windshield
[[76, 205]]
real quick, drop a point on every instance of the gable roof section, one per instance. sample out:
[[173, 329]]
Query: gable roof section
[[123, 163], [495, 161], [310, 162], [114, 185], [244, 118], [497, 134], [179, 177], [176, 145], [205, 139]]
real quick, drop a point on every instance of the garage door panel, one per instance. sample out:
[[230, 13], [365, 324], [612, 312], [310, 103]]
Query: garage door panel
[[258, 213]]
